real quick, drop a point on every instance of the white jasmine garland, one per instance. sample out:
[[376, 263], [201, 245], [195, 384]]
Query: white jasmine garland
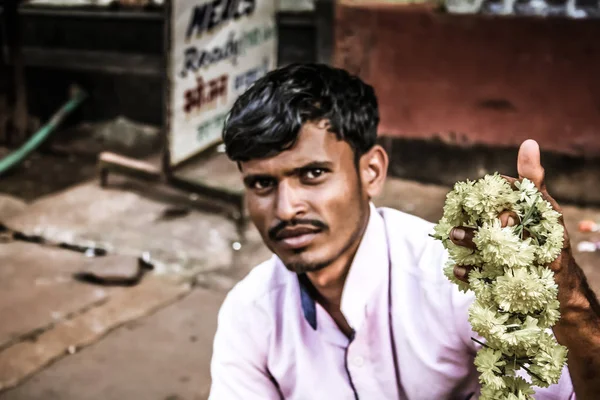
[[515, 293]]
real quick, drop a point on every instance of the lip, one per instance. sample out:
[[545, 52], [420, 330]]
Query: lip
[[297, 238], [299, 241]]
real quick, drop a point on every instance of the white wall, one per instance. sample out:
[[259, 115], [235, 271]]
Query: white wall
[[296, 5]]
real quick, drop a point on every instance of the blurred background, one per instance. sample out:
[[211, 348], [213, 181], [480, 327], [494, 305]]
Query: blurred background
[[122, 222]]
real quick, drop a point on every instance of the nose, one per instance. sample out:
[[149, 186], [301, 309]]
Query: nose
[[289, 205]]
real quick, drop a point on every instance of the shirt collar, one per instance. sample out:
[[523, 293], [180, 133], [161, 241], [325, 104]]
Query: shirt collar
[[368, 269], [309, 307]]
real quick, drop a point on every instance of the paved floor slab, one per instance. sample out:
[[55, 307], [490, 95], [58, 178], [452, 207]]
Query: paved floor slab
[[37, 289], [10, 206], [24, 358], [128, 223], [164, 356], [41, 301]]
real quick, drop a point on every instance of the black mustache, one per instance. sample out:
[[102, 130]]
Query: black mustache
[[274, 231]]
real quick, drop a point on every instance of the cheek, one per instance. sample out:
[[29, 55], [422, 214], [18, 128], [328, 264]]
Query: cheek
[[340, 205], [258, 212]]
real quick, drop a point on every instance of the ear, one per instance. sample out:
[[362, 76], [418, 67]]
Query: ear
[[373, 170]]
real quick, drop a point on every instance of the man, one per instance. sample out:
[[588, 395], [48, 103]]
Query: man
[[354, 304]]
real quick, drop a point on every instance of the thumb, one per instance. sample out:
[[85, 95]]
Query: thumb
[[529, 165]]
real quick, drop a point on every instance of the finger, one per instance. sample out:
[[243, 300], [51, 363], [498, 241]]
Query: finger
[[508, 218], [462, 236], [529, 165], [461, 272]]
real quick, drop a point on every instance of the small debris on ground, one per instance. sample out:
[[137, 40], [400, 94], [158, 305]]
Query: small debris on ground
[[173, 213], [111, 270], [588, 247], [588, 226]]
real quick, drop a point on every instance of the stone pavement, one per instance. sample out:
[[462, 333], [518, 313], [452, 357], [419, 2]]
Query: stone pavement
[[163, 356], [115, 347], [47, 314]]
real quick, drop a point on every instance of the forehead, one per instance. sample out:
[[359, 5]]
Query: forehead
[[314, 144]]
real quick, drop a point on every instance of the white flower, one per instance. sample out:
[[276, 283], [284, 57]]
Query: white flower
[[486, 320], [548, 362], [526, 188], [441, 231], [523, 338], [463, 255], [488, 197], [523, 291], [520, 388], [515, 293], [501, 247], [453, 208], [480, 286], [550, 315], [489, 363], [551, 249]]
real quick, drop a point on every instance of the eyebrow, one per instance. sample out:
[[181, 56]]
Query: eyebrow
[[312, 165], [249, 179]]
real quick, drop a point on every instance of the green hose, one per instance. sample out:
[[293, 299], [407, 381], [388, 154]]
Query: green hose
[[17, 156]]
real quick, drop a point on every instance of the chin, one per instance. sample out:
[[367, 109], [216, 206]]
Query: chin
[[300, 263], [300, 268]]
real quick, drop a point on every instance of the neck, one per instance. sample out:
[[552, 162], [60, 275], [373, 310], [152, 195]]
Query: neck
[[329, 281]]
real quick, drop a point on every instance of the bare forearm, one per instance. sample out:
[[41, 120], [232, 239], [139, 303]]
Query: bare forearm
[[579, 330]]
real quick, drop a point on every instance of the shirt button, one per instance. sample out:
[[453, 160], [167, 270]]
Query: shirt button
[[359, 361]]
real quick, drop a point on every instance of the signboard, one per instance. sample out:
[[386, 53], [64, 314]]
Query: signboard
[[217, 49]]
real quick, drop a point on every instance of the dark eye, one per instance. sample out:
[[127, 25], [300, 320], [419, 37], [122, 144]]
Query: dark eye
[[313, 174], [262, 183]]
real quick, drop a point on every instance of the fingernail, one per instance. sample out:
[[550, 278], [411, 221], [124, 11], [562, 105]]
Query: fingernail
[[458, 234], [511, 221]]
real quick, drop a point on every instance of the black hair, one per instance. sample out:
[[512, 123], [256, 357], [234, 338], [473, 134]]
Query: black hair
[[266, 119]]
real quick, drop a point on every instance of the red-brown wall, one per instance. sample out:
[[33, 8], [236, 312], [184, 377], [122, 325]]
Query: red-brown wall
[[475, 79]]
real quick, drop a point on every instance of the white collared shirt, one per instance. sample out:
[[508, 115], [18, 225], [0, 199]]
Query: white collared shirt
[[273, 341]]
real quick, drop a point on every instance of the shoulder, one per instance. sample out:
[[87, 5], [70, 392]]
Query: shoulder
[[256, 293], [402, 221], [410, 242]]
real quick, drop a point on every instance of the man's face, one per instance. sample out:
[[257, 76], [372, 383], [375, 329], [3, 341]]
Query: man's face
[[307, 202]]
